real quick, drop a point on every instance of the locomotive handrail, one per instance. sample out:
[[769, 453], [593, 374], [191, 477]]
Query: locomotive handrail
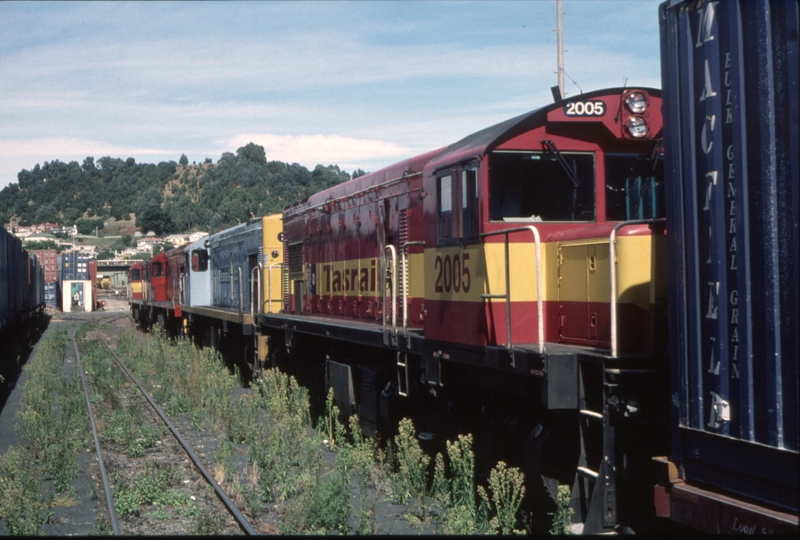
[[257, 269], [507, 295], [404, 292], [269, 284], [241, 291], [612, 255], [391, 249]]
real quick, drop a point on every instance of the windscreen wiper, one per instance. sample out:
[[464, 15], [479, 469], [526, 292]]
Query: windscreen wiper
[[572, 173]]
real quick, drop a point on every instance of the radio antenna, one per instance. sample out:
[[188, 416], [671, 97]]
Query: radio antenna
[[560, 39]]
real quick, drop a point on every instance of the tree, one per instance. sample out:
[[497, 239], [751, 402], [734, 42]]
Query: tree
[[183, 161], [253, 152], [44, 244], [46, 214], [153, 218], [89, 226], [357, 173], [88, 164]]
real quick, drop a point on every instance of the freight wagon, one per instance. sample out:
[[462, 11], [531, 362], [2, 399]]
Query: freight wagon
[[21, 282], [731, 107]]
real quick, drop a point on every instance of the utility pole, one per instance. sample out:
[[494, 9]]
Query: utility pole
[[560, 34]]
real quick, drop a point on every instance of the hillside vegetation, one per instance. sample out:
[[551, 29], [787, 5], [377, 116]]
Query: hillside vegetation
[[164, 198]]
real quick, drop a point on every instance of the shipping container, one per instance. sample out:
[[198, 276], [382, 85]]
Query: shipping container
[[74, 266], [48, 258], [93, 279], [5, 313], [76, 296], [50, 295], [731, 101]]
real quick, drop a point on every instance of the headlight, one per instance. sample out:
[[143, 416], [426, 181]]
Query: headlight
[[637, 127], [636, 102]]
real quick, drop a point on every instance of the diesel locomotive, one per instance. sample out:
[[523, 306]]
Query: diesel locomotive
[[512, 283]]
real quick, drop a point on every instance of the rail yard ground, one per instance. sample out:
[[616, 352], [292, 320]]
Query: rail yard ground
[[259, 442]]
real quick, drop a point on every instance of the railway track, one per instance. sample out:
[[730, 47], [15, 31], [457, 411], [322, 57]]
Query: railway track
[[123, 492]]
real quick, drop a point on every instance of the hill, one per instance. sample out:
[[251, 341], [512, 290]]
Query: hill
[[164, 198]]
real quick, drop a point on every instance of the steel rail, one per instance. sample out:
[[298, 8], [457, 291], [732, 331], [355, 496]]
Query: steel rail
[[106, 486], [232, 508]]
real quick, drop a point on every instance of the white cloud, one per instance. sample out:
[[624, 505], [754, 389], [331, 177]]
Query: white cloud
[[67, 149]]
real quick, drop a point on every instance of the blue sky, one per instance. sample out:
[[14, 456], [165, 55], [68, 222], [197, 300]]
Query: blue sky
[[359, 84]]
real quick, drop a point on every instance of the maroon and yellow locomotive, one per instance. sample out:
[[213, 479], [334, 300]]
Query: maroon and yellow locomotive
[[514, 280]]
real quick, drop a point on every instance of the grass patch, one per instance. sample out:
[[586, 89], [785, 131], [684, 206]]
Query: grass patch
[[157, 485], [21, 506], [53, 418]]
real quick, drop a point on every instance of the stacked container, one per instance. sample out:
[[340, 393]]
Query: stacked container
[[75, 282], [48, 258]]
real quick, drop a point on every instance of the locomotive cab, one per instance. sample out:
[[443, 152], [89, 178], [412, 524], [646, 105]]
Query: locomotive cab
[[525, 213]]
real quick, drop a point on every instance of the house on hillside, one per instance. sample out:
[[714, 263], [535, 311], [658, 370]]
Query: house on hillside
[[127, 253], [146, 244], [177, 239], [88, 250], [195, 236], [149, 241], [46, 228], [39, 237]]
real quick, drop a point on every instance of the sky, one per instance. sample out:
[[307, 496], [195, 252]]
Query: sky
[[358, 84]]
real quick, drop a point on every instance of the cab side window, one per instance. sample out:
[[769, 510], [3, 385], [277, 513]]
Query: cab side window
[[158, 269], [457, 205], [199, 260]]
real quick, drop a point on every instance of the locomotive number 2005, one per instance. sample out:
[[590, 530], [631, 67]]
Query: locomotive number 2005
[[585, 108], [452, 274]]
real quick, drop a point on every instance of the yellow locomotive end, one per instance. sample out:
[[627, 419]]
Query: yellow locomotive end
[[272, 261]]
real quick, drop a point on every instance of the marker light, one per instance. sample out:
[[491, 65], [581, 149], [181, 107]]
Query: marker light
[[637, 127], [636, 102]]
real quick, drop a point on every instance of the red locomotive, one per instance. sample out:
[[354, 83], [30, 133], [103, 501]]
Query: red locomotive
[[516, 276]]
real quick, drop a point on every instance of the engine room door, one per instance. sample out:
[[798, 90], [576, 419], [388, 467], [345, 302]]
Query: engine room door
[[584, 291]]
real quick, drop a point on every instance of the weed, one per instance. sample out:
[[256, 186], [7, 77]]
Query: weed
[[358, 456], [563, 516], [411, 477], [461, 512], [507, 486], [154, 486], [101, 527], [333, 428], [21, 507], [161, 514], [323, 508], [209, 524], [287, 456], [191, 511], [53, 415], [127, 429]]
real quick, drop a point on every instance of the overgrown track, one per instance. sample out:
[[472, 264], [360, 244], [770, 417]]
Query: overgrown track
[[234, 511], [148, 481], [112, 514]]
